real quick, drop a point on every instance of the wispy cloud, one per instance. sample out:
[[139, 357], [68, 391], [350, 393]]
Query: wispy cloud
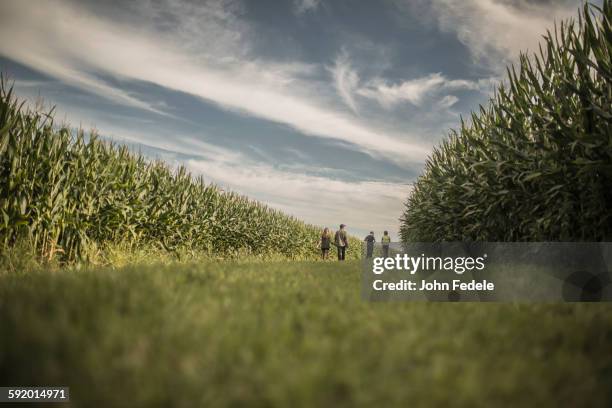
[[346, 80], [412, 91], [416, 91], [495, 31], [448, 101], [303, 6], [388, 94], [80, 79]]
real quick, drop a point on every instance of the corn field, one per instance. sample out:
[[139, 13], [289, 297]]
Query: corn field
[[536, 164], [66, 194]]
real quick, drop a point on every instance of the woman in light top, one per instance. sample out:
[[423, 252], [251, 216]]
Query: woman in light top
[[385, 240]]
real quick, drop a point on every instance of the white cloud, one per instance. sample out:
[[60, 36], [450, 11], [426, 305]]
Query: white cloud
[[87, 82], [412, 91], [448, 101], [303, 6], [388, 94], [417, 91], [346, 80], [257, 88], [495, 30]]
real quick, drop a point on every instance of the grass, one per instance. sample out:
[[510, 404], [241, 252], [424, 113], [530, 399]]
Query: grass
[[289, 333]]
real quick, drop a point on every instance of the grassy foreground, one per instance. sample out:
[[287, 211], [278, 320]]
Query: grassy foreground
[[289, 334]]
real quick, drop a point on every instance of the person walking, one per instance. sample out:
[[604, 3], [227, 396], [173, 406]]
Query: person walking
[[385, 240], [369, 240], [341, 242], [325, 243]]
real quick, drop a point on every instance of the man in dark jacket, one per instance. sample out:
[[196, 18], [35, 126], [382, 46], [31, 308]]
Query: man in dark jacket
[[369, 240], [341, 241]]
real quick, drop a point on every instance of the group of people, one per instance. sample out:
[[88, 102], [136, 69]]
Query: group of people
[[341, 242]]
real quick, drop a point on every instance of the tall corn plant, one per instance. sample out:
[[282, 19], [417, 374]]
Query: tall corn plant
[[536, 164], [65, 193]]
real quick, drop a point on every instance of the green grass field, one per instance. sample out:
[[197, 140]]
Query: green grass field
[[289, 334]]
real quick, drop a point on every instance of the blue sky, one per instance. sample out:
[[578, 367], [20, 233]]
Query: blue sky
[[324, 109]]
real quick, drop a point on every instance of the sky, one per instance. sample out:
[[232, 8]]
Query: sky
[[325, 109]]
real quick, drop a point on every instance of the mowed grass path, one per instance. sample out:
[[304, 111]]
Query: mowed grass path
[[289, 334]]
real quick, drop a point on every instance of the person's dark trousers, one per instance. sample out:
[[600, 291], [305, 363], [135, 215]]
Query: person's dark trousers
[[341, 253], [385, 249], [369, 250]]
